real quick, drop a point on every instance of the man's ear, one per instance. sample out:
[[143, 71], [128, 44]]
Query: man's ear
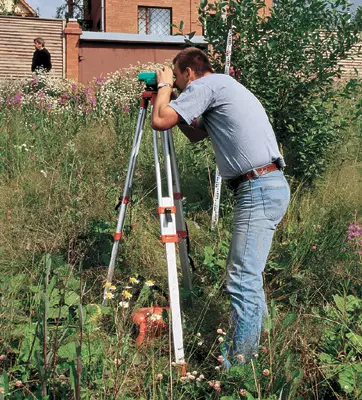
[[189, 71]]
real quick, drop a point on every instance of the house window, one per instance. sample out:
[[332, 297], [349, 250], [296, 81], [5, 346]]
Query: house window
[[154, 21]]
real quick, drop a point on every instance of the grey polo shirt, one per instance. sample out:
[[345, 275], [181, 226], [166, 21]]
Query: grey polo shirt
[[236, 122]]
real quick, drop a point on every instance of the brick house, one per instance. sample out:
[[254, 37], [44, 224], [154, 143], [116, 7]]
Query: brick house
[[19, 8], [152, 17], [121, 33]]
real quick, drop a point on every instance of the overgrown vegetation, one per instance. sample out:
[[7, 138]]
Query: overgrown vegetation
[[62, 168]]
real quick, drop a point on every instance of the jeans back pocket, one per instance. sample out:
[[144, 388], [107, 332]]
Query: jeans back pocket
[[275, 201]]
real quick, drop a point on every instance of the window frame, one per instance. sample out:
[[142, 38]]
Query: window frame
[[147, 8]]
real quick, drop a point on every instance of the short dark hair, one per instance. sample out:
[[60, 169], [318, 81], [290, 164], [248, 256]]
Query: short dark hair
[[195, 59], [40, 41]]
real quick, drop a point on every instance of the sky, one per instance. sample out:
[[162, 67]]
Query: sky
[[48, 8]]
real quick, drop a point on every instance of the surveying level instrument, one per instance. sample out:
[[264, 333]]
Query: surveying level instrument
[[149, 78], [170, 210]]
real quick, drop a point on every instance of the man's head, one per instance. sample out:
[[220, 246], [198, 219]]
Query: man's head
[[190, 64], [39, 43]]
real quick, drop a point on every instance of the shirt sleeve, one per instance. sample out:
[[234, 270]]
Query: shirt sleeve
[[193, 102]]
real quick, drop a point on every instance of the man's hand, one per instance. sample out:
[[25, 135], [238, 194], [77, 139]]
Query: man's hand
[[163, 116], [165, 75]]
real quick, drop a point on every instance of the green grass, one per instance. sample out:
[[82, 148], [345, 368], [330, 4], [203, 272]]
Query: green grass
[[57, 198]]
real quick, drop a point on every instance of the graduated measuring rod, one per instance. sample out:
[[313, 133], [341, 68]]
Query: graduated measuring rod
[[172, 223], [218, 179]]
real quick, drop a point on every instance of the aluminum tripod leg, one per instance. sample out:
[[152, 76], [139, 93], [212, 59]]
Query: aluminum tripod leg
[[167, 212], [180, 220], [126, 191]]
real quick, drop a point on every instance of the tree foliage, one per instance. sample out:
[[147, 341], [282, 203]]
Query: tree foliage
[[289, 60], [357, 18], [71, 9]]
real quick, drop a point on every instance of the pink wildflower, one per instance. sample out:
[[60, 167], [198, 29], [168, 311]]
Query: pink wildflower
[[99, 80], [64, 98], [354, 232]]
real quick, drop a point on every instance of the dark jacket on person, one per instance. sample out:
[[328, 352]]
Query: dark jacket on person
[[41, 59]]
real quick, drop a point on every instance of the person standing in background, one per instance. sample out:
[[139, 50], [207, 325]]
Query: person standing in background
[[41, 56]]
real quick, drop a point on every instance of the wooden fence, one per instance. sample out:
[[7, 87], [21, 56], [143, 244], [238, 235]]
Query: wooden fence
[[16, 45]]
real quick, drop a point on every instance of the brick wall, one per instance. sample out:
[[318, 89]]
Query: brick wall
[[122, 15], [72, 34]]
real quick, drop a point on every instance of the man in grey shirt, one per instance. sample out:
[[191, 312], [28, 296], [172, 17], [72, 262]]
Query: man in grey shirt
[[248, 159]]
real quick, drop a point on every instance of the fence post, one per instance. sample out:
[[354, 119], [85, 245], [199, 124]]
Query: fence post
[[72, 34]]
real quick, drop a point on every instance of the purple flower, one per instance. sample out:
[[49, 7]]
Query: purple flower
[[48, 106], [100, 81], [354, 232], [93, 101], [87, 91], [16, 100], [126, 109], [74, 87], [64, 98]]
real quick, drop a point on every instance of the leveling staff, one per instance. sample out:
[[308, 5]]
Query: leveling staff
[[249, 161]]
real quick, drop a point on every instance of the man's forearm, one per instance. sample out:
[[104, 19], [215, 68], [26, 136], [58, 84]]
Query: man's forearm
[[162, 100], [193, 132], [163, 116]]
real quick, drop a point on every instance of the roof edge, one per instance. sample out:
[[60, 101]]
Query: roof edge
[[138, 38], [26, 5]]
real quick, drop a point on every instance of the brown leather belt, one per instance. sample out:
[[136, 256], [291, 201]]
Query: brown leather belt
[[253, 173]]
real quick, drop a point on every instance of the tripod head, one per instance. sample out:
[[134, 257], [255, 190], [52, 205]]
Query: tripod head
[[149, 78]]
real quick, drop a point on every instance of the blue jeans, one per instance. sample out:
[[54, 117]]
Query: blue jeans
[[260, 205]]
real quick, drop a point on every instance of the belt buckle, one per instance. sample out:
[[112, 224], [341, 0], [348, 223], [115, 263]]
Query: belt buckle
[[256, 174]]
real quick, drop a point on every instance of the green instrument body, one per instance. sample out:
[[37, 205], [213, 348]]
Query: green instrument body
[[149, 78]]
